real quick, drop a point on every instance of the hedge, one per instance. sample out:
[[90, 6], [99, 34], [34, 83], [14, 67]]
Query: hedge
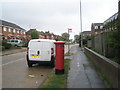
[[6, 45]]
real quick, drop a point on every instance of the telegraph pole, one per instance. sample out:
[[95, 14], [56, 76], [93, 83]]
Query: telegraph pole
[[81, 25]]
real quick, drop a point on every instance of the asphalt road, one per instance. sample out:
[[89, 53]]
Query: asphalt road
[[16, 74]]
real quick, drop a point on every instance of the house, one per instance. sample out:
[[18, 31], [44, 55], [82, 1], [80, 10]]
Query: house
[[42, 35], [28, 33], [110, 23], [96, 28], [85, 34], [119, 9], [10, 30], [47, 35]]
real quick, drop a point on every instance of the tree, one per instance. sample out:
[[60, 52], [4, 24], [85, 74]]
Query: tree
[[34, 34], [65, 36], [59, 38], [113, 39], [85, 39], [77, 38]]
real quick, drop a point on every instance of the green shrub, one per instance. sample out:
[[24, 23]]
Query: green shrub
[[25, 44], [6, 45], [4, 42], [1, 42], [2, 48]]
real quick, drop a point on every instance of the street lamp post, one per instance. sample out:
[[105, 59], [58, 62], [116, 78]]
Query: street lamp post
[[68, 42], [81, 25]]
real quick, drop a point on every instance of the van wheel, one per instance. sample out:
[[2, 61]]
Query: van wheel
[[16, 45], [52, 65], [29, 64], [52, 62]]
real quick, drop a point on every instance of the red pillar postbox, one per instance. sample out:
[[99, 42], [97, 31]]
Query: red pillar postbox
[[59, 63]]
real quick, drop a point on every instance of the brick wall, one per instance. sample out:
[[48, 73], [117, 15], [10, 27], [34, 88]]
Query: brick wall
[[15, 33]]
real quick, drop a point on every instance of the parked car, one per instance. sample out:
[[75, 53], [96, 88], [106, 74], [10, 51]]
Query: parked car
[[15, 42], [41, 51]]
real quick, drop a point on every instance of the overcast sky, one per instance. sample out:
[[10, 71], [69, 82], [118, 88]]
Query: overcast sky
[[57, 15]]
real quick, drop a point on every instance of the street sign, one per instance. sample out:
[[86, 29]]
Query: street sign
[[69, 30]]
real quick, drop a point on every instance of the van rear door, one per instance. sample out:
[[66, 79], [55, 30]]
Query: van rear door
[[39, 51]]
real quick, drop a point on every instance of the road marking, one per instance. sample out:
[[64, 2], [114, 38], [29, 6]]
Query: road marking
[[78, 64], [12, 62]]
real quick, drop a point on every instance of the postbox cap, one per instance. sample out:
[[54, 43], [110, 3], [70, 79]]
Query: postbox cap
[[59, 42]]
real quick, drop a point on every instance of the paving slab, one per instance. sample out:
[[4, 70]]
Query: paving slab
[[82, 74]]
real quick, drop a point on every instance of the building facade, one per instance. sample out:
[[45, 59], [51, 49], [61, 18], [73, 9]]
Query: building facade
[[42, 35], [119, 9], [85, 34], [96, 28], [110, 23], [47, 35], [108, 40], [9, 30]]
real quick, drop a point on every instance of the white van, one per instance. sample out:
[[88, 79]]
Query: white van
[[40, 50], [15, 42]]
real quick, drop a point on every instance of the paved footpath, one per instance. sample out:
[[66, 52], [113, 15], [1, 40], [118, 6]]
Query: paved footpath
[[12, 51], [82, 74]]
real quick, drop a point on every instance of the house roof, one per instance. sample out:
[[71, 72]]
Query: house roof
[[29, 31], [86, 32], [9, 24], [97, 24], [112, 18]]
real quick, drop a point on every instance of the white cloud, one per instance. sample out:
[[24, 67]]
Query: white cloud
[[57, 15], [0, 10]]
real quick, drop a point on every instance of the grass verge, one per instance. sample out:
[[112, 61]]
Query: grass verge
[[68, 54], [12, 51], [57, 81], [69, 43]]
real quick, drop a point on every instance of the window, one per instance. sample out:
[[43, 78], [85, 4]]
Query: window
[[16, 41], [96, 27], [13, 30], [24, 32], [5, 29], [101, 27], [18, 31], [12, 40], [9, 30]]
